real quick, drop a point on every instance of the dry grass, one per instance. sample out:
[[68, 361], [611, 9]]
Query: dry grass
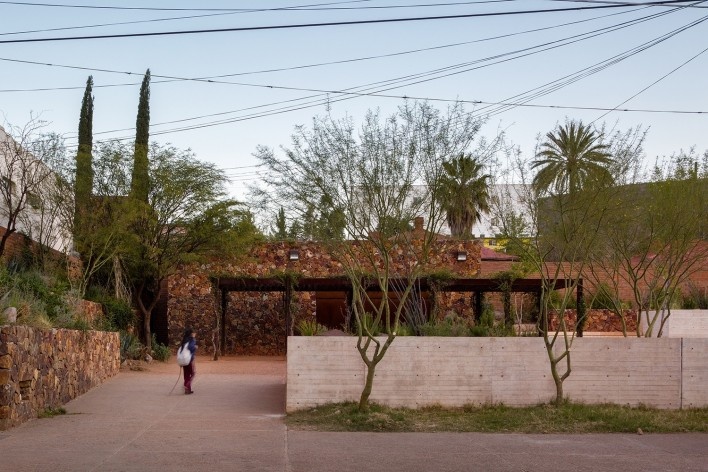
[[568, 418]]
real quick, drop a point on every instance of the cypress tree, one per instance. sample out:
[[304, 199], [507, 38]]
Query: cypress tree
[[84, 167], [139, 185]]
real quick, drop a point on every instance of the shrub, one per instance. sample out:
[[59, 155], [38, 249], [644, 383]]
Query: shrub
[[160, 352], [310, 328], [452, 325], [368, 322], [695, 297], [404, 330], [130, 347], [119, 312], [602, 299]]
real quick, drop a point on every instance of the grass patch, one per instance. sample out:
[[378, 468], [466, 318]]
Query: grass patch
[[52, 412], [544, 419]]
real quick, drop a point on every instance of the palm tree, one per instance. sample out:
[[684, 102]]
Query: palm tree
[[465, 194], [572, 156]]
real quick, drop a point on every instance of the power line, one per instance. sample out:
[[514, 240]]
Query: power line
[[338, 23], [502, 105], [282, 69], [650, 85], [350, 91], [595, 68], [112, 7], [155, 20]]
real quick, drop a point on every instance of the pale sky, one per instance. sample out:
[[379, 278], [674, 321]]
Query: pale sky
[[230, 145]]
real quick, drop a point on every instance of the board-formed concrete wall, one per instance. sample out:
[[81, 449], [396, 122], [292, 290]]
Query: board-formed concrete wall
[[687, 324], [419, 371]]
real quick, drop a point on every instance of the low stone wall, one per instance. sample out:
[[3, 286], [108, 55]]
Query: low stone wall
[[601, 321], [420, 371], [43, 368]]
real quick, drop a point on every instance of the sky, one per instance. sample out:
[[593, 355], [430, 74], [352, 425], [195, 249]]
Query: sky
[[654, 59]]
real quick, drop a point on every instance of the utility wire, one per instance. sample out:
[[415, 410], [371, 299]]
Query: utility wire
[[248, 10], [377, 85], [506, 105], [337, 23], [282, 69], [589, 71], [586, 72], [616, 108], [209, 15]]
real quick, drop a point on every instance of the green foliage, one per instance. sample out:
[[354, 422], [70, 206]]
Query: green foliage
[[572, 156], [130, 347], [452, 325], [280, 229], [405, 330], [694, 298], [160, 352], [602, 299], [464, 194], [84, 169], [51, 412], [568, 418], [140, 182], [119, 313], [368, 322], [556, 301], [310, 328]]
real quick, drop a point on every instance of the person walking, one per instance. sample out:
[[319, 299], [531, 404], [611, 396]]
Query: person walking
[[190, 340]]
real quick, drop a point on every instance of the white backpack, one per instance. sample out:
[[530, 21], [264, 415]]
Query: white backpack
[[184, 356]]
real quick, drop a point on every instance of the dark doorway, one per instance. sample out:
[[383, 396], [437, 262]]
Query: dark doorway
[[331, 309]]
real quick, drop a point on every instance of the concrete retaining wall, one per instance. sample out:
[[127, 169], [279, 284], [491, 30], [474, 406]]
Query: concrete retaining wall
[[687, 324], [43, 368], [419, 371]]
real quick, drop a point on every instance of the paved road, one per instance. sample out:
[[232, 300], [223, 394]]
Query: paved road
[[234, 422]]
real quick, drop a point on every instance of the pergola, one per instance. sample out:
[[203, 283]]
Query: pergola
[[287, 286]]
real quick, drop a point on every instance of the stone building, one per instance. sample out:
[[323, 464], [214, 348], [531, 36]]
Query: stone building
[[250, 304]]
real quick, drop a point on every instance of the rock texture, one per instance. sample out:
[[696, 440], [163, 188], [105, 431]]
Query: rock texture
[[601, 321], [42, 368], [255, 321]]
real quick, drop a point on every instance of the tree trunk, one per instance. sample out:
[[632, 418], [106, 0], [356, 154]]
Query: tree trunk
[[146, 326], [3, 240], [366, 393]]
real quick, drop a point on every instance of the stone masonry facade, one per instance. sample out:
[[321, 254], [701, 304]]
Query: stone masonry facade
[[46, 368], [254, 321]]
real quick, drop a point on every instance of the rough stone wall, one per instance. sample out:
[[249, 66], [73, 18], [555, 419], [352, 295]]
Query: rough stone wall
[[600, 321], [45, 368], [255, 323]]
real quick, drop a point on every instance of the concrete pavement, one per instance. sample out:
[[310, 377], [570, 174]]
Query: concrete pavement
[[234, 422]]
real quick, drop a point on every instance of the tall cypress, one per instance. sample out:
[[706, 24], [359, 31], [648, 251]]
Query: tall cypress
[[139, 185], [84, 166]]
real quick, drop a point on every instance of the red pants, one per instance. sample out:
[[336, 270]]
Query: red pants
[[189, 373]]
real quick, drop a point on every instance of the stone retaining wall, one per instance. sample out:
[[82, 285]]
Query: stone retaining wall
[[46, 368]]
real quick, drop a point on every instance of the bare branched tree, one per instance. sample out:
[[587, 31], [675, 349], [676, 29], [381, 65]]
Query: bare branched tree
[[366, 187], [24, 176]]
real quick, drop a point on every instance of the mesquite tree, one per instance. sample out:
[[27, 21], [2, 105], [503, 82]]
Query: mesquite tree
[[371, 182]]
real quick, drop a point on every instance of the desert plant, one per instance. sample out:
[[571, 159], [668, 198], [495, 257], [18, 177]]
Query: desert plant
[[695, 297], [368, 323], [160, 352], [405, 330], [310, 328], [452, 325], [130, 347]]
